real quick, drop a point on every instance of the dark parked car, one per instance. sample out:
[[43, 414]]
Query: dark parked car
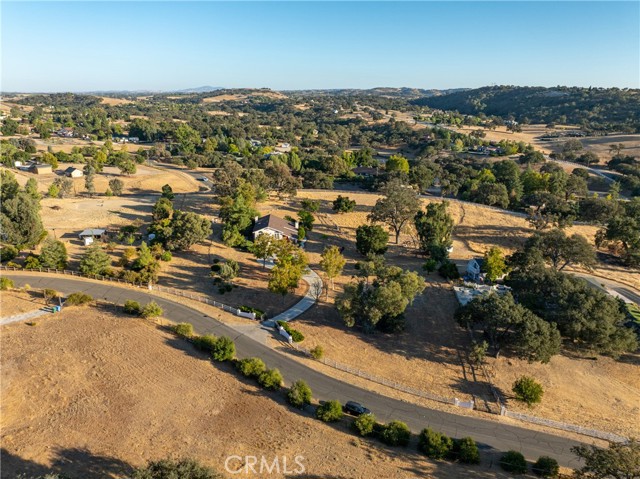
[[355, 409]]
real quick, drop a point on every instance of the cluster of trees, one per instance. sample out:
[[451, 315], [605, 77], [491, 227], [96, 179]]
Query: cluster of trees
[[20, 212], [379, 297], [548, 304], [177, 230]]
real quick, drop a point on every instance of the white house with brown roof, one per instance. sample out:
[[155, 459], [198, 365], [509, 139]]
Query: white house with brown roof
[[275, 226]]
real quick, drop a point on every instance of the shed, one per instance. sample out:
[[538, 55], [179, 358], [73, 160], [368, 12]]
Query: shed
[[40, 168], [89, 235], [474, 269], [72, 172]]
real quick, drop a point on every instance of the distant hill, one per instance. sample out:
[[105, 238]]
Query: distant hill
[[200, 89], [403, 92], [606, 108]]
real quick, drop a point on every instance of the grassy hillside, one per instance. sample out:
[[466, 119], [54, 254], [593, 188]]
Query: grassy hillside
[[599, 108]]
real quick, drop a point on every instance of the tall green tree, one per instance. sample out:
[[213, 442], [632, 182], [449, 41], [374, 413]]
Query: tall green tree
[[188, 228], [263, 247], [21, 221], [116, 186], [371, 240], [560, 250], [53, 254], [290, 264], [95, 261], [332, 263], [618, 461], [435, 227], [507, 323], [397, 208], [494, 264]]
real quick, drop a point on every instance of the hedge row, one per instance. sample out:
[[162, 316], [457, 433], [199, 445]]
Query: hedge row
[[148, 311], [514, 462]]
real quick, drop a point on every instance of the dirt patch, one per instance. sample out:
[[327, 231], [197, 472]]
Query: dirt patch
[[18, 302], [107, 393], [111, 101]]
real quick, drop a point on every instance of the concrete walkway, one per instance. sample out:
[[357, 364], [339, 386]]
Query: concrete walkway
[[313, 293], [24, 316]]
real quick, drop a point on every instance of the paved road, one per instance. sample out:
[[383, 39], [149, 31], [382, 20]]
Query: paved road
[[487, 432]]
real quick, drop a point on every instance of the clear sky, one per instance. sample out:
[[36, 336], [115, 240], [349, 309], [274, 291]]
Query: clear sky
[[84, 46]]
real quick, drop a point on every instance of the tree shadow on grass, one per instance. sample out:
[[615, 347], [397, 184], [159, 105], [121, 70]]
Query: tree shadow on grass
[[71, 462]]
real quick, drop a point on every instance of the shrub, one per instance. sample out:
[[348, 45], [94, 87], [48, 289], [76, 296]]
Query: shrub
[[396, 433], [50, 294], [330, 411], [430, 265], [11, 264], [132, 307], [365, 424], [465, 450], [528, 390], [317, 352], [223, 349], [513, 461], [296, 335], [8, 252], [251, 367], [183, 329], [449, 270], [270, 379], [258, 312], [78, 299], [151, 310], [546, 467], [434, 444], [478, 352], [171, 468], [32, 262], [166, 256], [299, 394], [205, 342], [5, 284]]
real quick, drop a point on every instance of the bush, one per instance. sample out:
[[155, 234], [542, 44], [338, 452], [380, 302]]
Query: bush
[[151, 310], [183, 329], [258, 312], [251, 367], [5, 284], [78, 299], [330, 411], [296, 335], [11, 264], [317, 352], [365, 424], [513, 461], [299, 394], [466, 450], [449, 270], [8, 252], [270, 379], [32, 262], [546, 467], [430, 265], [396, 433], [132, 307], [434, 444], [171, 468], [50, 294], [205, 343], [166, 256], [528, 390], [223, 349]]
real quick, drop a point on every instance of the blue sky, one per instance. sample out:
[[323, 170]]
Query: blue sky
[[83, 46]]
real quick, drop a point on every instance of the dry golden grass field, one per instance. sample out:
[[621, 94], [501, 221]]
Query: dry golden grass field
[[89, 393]]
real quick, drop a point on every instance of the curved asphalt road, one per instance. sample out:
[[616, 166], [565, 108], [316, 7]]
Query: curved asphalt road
[[487, 432]]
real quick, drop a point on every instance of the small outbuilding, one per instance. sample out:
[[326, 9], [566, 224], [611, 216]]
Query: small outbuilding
[[40, 168], [474, 269], [72, 172], [89, 235]]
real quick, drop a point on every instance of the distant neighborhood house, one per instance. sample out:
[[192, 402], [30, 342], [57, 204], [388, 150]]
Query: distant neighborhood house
[[275, 226], [65, 132], [73, 172]]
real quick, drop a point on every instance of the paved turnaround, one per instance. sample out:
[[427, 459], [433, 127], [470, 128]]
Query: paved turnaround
[[487, 432]]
